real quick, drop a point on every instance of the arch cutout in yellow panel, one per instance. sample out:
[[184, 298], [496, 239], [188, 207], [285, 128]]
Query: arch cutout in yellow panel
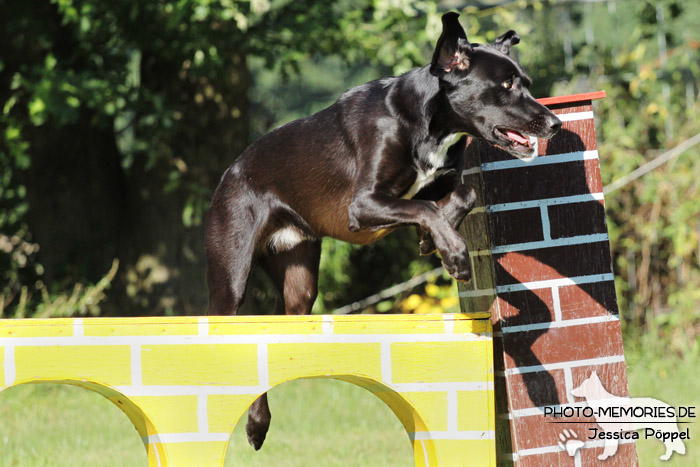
[[68, 423], [330, 421]]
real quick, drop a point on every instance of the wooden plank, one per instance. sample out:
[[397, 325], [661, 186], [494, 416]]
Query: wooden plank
[[572, 98]]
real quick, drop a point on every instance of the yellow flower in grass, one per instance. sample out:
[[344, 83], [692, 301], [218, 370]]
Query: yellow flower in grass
[[423, 308], [449, 302], [432, 290], [411, 303]]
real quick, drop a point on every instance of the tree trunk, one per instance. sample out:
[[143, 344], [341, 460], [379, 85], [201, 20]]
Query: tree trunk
[[86, 209], [75, 191]]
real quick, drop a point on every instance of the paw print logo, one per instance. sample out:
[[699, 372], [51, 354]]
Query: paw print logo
[[569, 442]]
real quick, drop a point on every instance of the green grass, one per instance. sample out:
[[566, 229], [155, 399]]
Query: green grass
[[325, 423], [61, 425], [676, 382], [315, 423]]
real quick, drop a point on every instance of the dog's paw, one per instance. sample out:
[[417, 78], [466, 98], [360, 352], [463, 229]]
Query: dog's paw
[[458, 265], [460, 203], [468, 196]]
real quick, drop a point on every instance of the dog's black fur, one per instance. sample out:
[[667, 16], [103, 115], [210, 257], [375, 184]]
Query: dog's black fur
[[387, 154]]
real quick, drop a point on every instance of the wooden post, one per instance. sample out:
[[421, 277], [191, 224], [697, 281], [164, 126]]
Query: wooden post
[[541, 258]]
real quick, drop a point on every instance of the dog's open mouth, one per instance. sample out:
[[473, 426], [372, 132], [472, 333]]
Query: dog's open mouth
[[513, 141]]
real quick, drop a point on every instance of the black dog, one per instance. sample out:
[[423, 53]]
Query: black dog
[[387, 154]]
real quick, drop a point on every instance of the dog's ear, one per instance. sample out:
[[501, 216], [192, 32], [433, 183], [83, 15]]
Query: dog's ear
[[506, 41], [453, 49]]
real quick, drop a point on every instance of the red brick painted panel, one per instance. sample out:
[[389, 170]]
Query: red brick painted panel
[[525, 307], [552, 459], [553, 263], [570, 220], [539, 385], [542, 182], [539, 431], [518, 226], [612, 376], [574, 136], [614, 380], [559, 109], [626, 456], [564, 344], [586, 300]]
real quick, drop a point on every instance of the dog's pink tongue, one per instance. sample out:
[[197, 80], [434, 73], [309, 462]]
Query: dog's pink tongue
[[517, 137]]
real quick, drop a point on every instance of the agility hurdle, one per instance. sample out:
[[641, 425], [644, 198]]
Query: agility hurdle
[[184, 382], [540, 251]]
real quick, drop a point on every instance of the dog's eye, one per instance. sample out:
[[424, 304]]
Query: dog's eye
[[508, 84]]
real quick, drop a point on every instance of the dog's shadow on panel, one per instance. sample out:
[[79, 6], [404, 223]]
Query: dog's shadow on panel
[[526, 307]]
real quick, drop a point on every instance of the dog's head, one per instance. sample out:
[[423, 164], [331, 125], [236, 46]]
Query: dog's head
[[488, 91]]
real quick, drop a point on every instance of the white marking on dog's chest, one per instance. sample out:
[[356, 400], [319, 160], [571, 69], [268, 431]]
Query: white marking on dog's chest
[[435, 163]]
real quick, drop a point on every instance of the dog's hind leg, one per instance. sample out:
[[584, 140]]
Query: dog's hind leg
[[295, 275], [231, 239]]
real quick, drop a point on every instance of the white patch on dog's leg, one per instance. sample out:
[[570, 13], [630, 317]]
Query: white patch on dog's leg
[[286, 238]]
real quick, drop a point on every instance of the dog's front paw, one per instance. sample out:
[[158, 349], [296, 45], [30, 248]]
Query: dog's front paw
[[458, 205], [458, 265], [467, 196]]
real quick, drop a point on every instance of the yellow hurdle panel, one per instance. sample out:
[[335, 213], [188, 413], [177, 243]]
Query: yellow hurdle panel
[[184, 382]]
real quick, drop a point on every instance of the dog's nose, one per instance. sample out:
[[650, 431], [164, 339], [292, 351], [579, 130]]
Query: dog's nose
[[554, 124]]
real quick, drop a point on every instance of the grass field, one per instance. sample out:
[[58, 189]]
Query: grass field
[[315, 423], [676, 382]]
